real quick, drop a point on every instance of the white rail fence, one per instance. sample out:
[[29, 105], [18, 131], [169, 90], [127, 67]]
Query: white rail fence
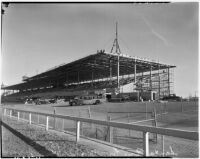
[[191, 135]]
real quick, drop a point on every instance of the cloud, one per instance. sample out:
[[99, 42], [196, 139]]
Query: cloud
[[160, 37], [155, 33]]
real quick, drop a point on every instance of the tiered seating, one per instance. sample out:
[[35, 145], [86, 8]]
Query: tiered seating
[[50, 92]]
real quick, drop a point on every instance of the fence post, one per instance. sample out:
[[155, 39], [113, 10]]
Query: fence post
[[129, 133], [128, 117], [154, 123], [110, 132], [146, 109], [18, 115], [63, 125], [38, 119], [89, 112], [96, 133], [54, 119], [29, 118], [10, 113], [81, 124], [146, 143], [155, 120], [162, 145], [77, 131], [47, 123]]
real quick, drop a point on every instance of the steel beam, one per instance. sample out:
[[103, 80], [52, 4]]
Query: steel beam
[[168, 81], [135, 71]]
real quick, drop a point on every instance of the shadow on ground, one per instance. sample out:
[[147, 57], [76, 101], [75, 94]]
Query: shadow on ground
[[42, 150]]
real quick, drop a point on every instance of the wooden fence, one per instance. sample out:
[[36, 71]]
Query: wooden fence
[[191, 135]]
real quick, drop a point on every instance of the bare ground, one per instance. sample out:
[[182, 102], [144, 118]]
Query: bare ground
[[22, 140]]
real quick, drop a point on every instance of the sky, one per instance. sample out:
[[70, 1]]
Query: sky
[[39, 36]]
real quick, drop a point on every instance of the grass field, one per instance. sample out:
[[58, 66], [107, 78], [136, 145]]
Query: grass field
[[179, 115]]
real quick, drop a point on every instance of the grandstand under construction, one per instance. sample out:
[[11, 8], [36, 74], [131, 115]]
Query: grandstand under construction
[[112, 73]]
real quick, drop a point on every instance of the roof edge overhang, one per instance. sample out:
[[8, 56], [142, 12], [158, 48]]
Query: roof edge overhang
[[144, 60], [136, 59]]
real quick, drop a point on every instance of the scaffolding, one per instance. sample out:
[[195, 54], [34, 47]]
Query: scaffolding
[[160, 81]]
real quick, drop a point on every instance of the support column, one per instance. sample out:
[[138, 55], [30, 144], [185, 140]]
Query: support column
[[118, 71], [66, 77], [159, 81], [78, 77], [110, 70], [150, 77], [168, 81], [142, 83], [135, 69], [56, 83], [92, 77]]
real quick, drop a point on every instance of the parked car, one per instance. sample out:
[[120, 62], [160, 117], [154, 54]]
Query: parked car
[[41, 101], [75, 101], [86, 100], [171, 97]]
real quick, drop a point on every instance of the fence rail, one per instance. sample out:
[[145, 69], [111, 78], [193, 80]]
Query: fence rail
[[191, 135]]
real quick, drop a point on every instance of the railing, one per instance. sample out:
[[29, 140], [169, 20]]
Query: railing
[[191, 135]]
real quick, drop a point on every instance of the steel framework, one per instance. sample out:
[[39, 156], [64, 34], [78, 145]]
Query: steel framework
[[103, 70]]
